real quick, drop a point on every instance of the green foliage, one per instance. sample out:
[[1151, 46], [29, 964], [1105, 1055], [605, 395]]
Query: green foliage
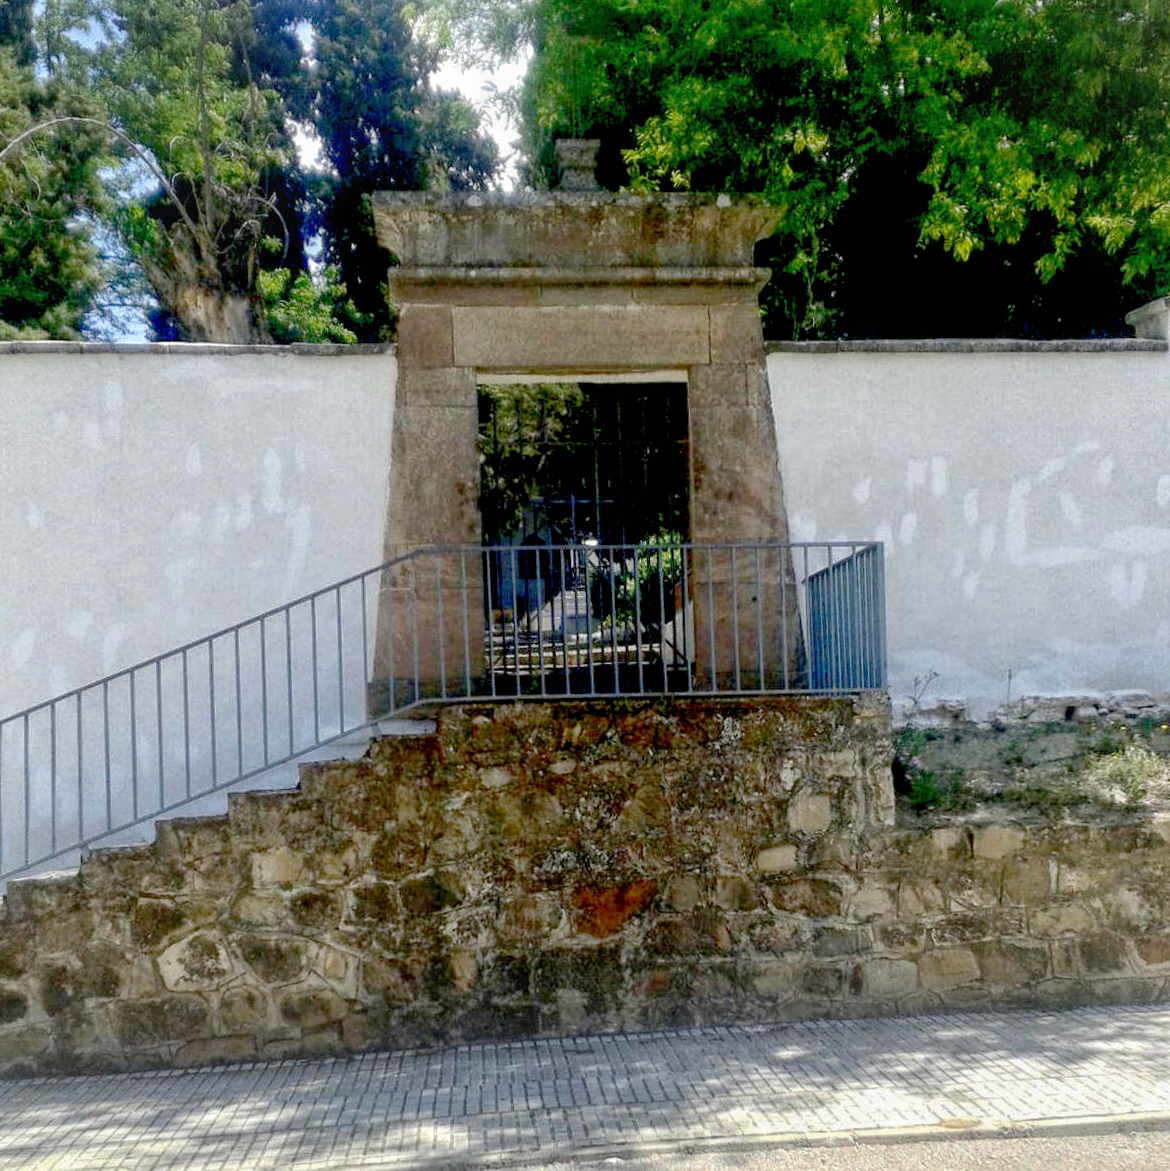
[[521, 428], [640, 584], [301, 309], [49, 274], [1038, 128], [170, 78], [928, 790], [198, 96]]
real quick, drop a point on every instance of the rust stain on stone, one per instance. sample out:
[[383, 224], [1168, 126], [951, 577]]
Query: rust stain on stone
[[604, 910]]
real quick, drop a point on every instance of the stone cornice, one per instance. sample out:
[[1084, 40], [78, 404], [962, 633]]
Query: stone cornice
[[986, 345]]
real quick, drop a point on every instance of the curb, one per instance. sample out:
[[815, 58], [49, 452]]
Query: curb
[[947, 1130]]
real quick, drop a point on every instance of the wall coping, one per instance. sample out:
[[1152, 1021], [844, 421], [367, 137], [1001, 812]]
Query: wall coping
[[197, 349], [880, 346], [986, 345]]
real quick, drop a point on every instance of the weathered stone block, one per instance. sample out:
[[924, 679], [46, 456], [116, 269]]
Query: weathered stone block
[[593, 337], [153, 920], [947, 968], [15, 943], [23, 1046], [833, 852], [312, 1009], [373, 902], [645, 811], [814, 897], [243, 1010], [1103, 954], [464, 971], [733, 894], [143, 1023], [194, 964], [1066, 960], [426, 896], [886, 978], [776, 859], [810, 813], [594, 975], [823, 980], [833, 941], [441, 386], [962, 928], [275, 961], [720, 384], [918, 898], [260, 910], [1154, 948], [945, 840], [1060, 919], [279, 866], [1026, 880], [682, 893], [425, 337], [1006, 963], [703, 932], [993, 842], [13, 1006], [872, 901], [736, 335], [777, 979], [603, 911], [316, 910]]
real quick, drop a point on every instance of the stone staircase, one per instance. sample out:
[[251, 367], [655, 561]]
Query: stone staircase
[[214, 802]]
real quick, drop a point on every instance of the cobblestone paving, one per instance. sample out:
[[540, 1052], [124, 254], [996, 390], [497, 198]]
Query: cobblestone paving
[[454, 1106]]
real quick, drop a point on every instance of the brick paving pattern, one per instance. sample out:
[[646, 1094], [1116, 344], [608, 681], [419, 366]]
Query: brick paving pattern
[[555, 1097]]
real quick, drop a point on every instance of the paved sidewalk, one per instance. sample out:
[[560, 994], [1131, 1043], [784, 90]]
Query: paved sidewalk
[[531, 1102]]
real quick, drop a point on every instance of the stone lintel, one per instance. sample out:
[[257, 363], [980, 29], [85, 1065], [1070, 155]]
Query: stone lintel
[[589, 337], [587, 275]]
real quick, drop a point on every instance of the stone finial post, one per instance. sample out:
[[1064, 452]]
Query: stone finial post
[[577, 158]]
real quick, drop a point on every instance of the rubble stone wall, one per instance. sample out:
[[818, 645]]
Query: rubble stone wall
[[587, 866]]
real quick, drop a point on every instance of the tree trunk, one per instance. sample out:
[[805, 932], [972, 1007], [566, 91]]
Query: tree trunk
[[194, 292]]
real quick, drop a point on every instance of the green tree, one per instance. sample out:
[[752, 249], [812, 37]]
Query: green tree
[[170, 79], [382, 127], [1037, 132], [49, 165]]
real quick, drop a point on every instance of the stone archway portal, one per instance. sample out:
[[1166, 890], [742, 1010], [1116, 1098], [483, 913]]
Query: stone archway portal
[[586, 286]]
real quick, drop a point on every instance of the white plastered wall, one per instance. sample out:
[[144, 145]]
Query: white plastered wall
[[1023, 497], [154, 495]]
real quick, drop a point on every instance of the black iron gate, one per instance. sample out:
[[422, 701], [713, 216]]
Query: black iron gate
[[582, 488]]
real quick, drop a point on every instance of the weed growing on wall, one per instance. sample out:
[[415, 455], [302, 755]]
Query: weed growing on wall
[[1128, 776], [1044, 768]]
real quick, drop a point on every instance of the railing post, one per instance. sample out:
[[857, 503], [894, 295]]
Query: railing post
[[747, 626], [431, 628]]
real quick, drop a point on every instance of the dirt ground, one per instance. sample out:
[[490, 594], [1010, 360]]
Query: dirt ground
[[1094, 768]]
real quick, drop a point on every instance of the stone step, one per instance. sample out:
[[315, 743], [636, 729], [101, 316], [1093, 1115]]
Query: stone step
[[121, 851]]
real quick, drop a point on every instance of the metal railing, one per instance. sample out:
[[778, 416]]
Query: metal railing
[[443, 624]]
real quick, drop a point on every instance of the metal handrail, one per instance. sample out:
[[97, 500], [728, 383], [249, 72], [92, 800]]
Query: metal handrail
[[440, 624]]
